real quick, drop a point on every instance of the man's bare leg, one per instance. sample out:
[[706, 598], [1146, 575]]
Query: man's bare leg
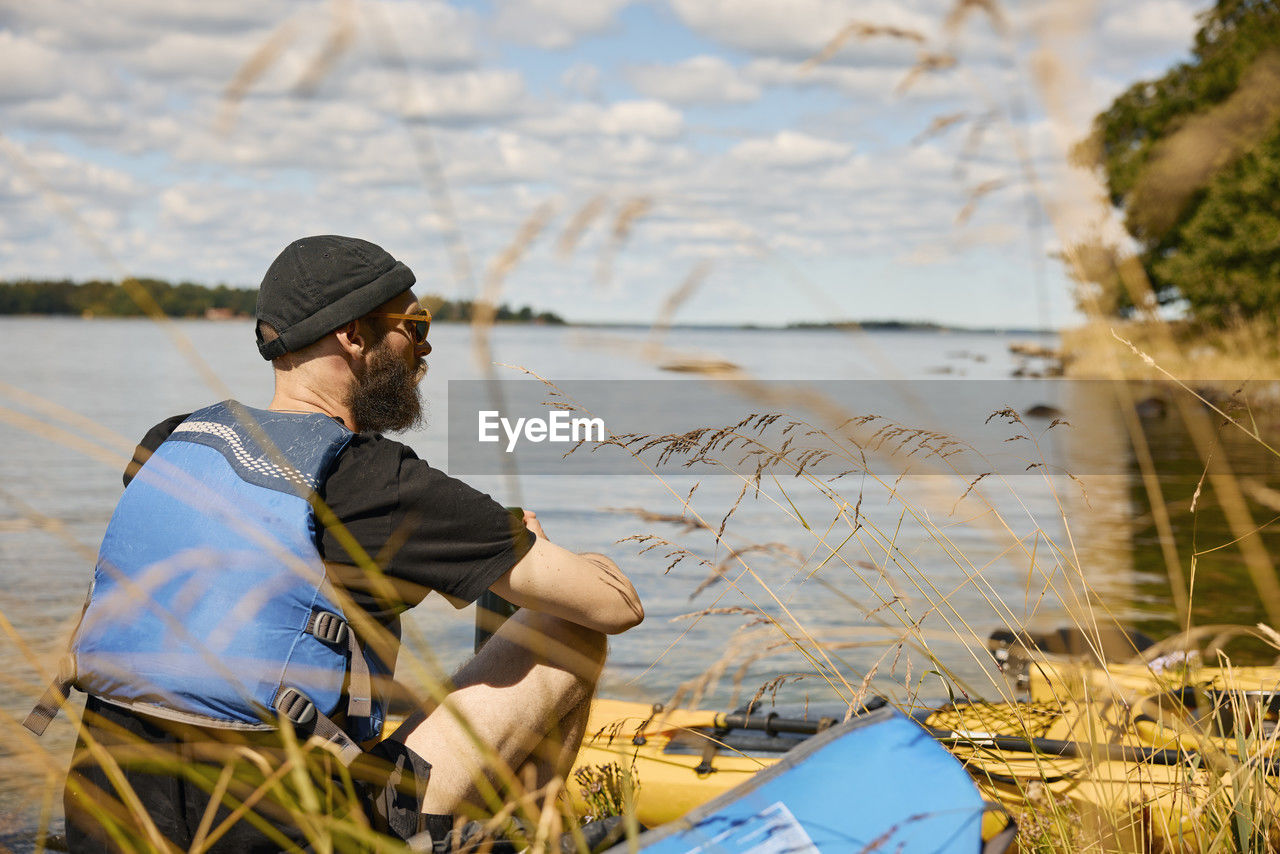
[[526, 695], [554, 755]]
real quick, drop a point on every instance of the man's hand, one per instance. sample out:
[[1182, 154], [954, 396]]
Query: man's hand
[[531, 522], [587, 589]]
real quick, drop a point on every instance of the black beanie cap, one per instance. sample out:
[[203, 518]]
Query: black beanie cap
[[320, 283]]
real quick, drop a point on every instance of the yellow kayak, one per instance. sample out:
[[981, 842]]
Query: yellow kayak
[[1130, 744], [1122, 777], [679, 759], [1157, 750], [1125, 756], [1121, 665]]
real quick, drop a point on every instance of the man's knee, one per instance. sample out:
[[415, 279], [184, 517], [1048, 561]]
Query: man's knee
[[542, 654], [558, 642]]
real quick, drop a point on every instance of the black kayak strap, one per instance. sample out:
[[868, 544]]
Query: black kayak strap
[[50, 702], [1003, 839]]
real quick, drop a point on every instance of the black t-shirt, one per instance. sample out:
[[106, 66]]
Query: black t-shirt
[[424, 529]]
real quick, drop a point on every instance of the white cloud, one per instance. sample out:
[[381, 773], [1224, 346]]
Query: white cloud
[[214, 58], [797, 28], [501, 157], [470, 95], [77, 179], [471, 158], [432, 34], [463, 96], [698, 80], [225, 15], [28, 69], [702, 233], [582, 79], [269, 134], [926, 254], [189, 206], [790, 150], [208, 43], [634, 153], [425, 35], [528, 158], [69, 112], [883, 84], [109, 25], [49, 215], [1167, 25], [641, 118], [554, 24], [1006, 231], [760, 26]]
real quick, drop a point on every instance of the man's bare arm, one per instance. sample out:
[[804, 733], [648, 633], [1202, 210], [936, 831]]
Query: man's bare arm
[[587, 589]]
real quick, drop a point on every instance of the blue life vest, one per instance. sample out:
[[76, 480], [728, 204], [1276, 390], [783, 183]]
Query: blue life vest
[[210, 602]]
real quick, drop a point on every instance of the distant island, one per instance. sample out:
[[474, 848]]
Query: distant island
[[877, 325], [914, 326], [139, 298]]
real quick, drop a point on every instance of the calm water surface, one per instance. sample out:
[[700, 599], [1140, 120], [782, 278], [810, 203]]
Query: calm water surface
[[78, 394]]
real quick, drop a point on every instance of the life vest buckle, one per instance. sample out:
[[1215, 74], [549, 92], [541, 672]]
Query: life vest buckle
[[329, 627], [295, 706]]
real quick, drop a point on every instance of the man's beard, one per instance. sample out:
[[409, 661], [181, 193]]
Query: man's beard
[[385, 397]]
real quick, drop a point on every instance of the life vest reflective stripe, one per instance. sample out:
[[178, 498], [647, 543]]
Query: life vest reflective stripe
[[210, 601]]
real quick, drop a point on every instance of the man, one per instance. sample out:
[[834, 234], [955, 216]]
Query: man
[[347, 341]]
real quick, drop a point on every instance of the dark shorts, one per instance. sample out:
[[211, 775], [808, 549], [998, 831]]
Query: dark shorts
[[174, 773]]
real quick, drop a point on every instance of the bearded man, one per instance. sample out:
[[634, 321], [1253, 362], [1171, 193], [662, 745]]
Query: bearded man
[[251, 581]]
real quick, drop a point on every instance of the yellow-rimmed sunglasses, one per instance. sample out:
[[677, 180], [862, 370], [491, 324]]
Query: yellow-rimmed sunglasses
[[419, 323]]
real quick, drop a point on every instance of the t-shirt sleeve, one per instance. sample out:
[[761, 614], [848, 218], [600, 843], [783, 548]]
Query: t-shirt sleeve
[[154, 438], [426, 530]]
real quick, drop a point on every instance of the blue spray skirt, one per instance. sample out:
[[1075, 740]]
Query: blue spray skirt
[[877, 782]]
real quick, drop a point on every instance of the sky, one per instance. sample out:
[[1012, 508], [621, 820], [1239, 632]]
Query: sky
[[703, 161]]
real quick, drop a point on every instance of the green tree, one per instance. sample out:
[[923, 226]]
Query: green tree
[[30, 297], [1227, 262], [1191, 159], [187, 300]]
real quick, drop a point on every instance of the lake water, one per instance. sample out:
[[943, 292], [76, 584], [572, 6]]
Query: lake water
[[812, 605]]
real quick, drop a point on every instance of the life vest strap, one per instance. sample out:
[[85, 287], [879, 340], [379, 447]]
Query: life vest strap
[[298, 708], [333, 629], [295, 705], [46, 709]]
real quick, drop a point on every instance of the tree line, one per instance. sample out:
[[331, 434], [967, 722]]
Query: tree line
[[146, 297]]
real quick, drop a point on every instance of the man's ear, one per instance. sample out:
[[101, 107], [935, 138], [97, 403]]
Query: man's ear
[[351, 339]]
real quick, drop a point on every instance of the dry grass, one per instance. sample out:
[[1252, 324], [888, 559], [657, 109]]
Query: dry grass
[[1245, 352], [1095, 803]]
